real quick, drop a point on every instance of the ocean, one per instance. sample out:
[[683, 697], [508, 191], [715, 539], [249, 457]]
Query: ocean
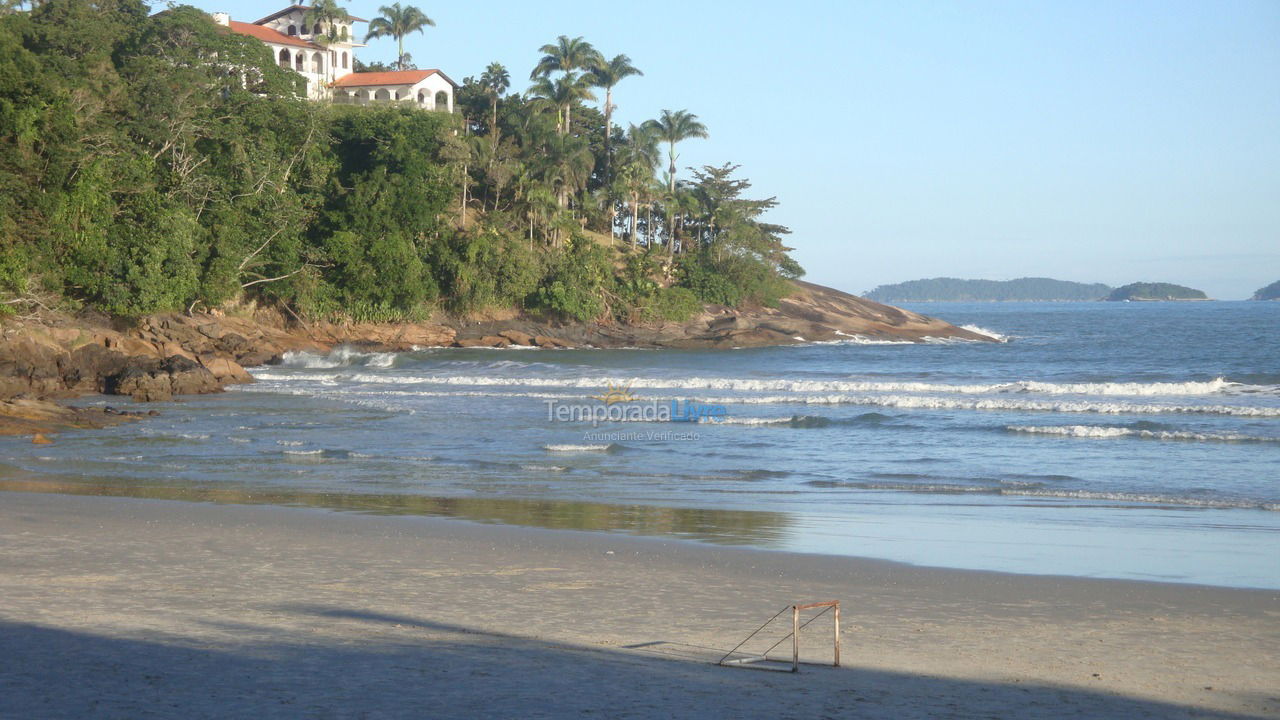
[[1119, 440]]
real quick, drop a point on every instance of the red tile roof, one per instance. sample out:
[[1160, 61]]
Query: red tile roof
[[268, 35], [392, 77], [303, 8]]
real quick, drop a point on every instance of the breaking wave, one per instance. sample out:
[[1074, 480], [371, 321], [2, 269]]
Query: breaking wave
[[1106, 431], [580, 448], [342, 356], [1217, 386]]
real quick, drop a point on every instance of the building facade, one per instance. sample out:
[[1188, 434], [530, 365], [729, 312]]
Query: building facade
[[326, 56]]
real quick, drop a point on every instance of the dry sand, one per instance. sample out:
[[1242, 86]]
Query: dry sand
[[132, 608]]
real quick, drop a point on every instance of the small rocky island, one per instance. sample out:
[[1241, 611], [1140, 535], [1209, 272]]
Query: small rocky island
[[1144, 291], [1270, 292]]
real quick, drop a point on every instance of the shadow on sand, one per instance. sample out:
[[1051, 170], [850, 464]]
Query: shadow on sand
[[369, 665]]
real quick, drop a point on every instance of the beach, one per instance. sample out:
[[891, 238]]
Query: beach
[[123, 607]]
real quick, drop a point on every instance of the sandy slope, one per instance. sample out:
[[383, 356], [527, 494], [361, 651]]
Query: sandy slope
[[137, 608]]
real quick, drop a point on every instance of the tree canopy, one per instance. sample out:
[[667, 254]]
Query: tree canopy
[[159, 162]]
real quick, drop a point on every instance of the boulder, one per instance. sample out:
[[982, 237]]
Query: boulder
[[142, 385], [188, 377], [213, 330], [488, 341], [225, 371], [543, 341], [517, 337]]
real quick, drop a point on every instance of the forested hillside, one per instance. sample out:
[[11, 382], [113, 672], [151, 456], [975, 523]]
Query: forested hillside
[[158, 162]]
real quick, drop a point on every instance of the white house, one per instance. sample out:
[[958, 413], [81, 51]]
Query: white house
[[427, 89], [328, 66]]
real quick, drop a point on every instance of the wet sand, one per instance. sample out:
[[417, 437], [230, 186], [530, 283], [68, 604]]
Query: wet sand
[[118, 607]]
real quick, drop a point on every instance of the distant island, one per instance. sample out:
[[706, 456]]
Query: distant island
[[1020, 290], [1270, 292], [1155, 291]]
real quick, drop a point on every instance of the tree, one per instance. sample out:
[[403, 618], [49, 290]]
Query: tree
[[398, 22], [675, 127], [495, 80], [607, 75], [561, 93], [328, 14], [567, 56]]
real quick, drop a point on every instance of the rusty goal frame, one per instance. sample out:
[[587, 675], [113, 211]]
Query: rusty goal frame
[[759, 662]]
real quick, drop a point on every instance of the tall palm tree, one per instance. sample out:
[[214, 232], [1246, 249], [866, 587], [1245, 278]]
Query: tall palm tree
[[398, 22], [562, 93], [566, 55], [495, 80], [608, 74], [639, 157], [674, 127]]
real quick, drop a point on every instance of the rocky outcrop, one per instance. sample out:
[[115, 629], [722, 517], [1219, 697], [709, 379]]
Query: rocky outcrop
[[42, 418], [163, 356], [173, 354], [812, 313]]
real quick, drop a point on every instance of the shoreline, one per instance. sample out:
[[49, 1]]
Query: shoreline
[[282, 611], [154, 358], [750, 529]]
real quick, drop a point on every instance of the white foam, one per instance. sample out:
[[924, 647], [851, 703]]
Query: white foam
[[1217, 386], [1094, 431], [952, 403], [341, 356], [303, 452], [923, 402], [576, 448], [753, 421], [988, 333]]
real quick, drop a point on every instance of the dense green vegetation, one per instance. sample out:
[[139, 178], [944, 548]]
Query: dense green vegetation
[[1270, 292], [153, 163], [1155, 291], [1022, 289]]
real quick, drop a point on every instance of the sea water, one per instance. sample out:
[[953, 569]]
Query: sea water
[[1123, 440]]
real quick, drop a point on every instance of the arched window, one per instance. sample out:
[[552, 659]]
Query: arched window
[[300, 61], [317, 64], [293, 30], [343, 35], [382, 94], [422, 97], [284, 59], [316, 29], [442, 100], [344, 61]]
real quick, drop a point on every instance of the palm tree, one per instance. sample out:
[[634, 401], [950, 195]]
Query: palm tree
[[566, 56], [674, 127], [398, 22], [495, 80], [607, 74], [561, 93], [328, 14], [638, 158]]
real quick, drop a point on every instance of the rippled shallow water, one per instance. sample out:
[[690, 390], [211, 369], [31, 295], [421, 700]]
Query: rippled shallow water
[[1114, 440]]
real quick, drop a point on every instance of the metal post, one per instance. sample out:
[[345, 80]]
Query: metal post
[[837, 662], [795, 638]]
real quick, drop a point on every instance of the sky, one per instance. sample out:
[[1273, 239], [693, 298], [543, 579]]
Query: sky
[[1082, 140]]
